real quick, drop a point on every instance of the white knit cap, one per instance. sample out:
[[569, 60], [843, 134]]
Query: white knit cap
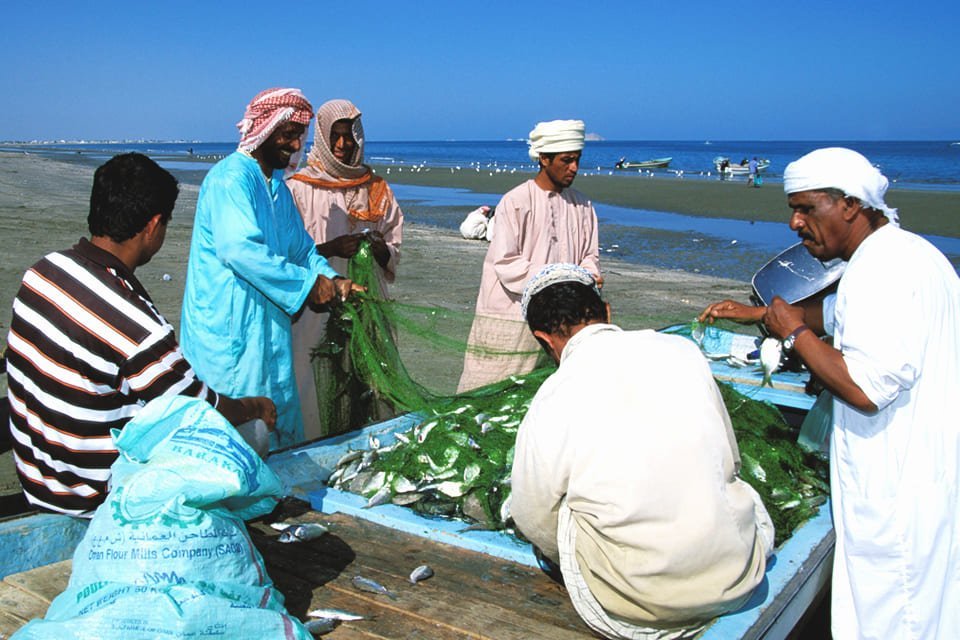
[[554, 274], [839, 168], [556, 136]]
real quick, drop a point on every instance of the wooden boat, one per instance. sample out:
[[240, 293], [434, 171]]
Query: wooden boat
[[742, 169], [483, 578], [656, 163]]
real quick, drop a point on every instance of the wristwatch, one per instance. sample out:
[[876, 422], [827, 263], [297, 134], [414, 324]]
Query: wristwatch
[[791, 339]]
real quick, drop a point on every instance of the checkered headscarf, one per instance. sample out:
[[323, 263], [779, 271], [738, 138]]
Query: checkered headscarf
[[267, 111]]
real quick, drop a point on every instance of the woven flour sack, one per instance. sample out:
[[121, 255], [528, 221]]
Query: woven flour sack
[[168, 554]]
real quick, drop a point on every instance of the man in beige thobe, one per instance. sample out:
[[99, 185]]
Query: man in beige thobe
[[539, 222], [342, 204]]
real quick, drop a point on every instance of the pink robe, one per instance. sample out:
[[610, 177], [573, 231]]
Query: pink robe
[[534, 228], [324, 213]]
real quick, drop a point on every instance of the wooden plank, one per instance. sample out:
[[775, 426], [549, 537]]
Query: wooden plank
[[44, 583], [25, 596], [470, 594], [17, 608]]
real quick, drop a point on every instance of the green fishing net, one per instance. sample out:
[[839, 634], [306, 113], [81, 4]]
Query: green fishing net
[[457, 460]]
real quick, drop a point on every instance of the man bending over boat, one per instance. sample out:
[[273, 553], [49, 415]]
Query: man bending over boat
[[625, 471], [88, 348]]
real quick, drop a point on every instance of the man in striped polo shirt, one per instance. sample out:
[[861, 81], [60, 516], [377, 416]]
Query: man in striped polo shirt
[[87, 348]]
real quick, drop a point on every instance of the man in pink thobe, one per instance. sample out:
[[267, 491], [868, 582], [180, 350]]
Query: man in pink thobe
[[342, 203], [542, 221]]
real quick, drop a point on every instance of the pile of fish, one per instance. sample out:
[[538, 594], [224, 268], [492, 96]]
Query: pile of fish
[[454, 463], [457, 463], [791, 480]]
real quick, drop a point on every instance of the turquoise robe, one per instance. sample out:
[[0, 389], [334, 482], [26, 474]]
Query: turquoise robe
[[251, 267]]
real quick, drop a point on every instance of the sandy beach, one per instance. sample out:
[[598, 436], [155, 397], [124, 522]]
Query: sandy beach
[[43, 207]]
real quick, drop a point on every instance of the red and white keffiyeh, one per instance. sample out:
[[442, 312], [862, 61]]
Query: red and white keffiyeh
[[268, 110]]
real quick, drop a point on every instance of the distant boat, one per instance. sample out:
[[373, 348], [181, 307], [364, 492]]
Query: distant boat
[[657, 163], [742, 169]]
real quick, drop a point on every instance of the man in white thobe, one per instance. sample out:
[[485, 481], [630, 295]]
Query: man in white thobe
[[893, 369]]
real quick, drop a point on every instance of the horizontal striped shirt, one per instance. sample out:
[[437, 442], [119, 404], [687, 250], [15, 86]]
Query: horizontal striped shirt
[[86, 349]]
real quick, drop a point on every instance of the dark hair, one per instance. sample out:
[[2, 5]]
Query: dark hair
[[128, 190], [564, 305], [545, 156]]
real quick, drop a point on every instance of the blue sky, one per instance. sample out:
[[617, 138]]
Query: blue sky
[[640, 70]]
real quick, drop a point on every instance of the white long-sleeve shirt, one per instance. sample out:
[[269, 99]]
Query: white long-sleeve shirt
[[633, 431]]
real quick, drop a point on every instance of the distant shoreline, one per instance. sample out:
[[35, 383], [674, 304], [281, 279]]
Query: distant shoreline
[[926, 211]]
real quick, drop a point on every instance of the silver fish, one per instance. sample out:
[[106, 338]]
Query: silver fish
[[349, 472], [486, 427], [421, 573], [402, 437], [335, 614], [302, 532], [349, 457], [374, 482], [505, 509], [382, 496], [403, 485], [374, 442], [425, 431], [404, 499], [370, 586], [471, 473], [770, 351], [320, 626], [369, 458]]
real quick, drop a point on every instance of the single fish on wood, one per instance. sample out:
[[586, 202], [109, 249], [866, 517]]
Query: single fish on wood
[[422, 572], [371, 586], [302, 532], [335, 614]]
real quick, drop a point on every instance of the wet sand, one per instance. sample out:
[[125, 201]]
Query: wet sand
[[929, 212]]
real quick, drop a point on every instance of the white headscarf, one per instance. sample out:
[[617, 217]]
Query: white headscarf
[[556, 136], [839, 168], [322, 156]]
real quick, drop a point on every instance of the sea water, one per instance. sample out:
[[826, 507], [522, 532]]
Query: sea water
[[723, 247], [918, 164]]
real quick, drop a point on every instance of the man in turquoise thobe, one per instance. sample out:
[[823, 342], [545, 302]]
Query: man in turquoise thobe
[[253, 266]]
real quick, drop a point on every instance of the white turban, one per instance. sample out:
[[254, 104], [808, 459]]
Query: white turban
[[839, 168], [556, 136]]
